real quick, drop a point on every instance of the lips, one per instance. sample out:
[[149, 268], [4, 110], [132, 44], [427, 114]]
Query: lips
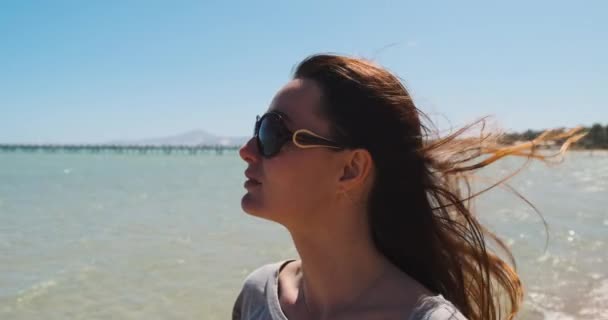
[[252, 181], [251, 184]]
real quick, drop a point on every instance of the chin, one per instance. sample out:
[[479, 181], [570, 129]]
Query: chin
[[253, 207], [248, 204]]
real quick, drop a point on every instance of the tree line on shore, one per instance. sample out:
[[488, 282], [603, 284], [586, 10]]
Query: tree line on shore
[[596, 138]]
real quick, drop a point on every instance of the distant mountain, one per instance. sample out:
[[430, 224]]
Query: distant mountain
[[190, 138]]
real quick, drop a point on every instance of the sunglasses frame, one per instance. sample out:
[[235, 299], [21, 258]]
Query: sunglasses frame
[[317, 141]]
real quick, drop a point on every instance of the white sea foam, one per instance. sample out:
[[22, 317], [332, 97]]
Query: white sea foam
[[594, 188], [548, 306], [554, 315], [35, 291], [544, 257], [583, 176], [597, 302], [595, 276]]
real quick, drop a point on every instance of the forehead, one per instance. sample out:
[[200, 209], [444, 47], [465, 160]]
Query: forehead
[[300, 100]]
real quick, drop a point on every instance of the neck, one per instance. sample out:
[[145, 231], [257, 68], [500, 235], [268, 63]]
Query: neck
[[339, 264]]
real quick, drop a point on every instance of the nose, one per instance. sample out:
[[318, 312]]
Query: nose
[[249, 151]]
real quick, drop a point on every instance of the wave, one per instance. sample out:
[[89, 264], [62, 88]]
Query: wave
[[35, 291]]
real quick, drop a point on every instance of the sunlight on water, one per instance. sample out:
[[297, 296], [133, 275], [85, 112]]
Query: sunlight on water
[[157, 237]]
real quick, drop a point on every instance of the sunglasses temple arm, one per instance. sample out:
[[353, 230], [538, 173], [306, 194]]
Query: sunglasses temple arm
[[315, 140]]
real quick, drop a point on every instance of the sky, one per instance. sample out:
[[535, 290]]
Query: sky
[[97, 71]]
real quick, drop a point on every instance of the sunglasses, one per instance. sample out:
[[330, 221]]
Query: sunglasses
[[271, 134]]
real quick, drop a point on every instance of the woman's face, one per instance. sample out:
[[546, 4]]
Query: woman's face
[[296, 186]]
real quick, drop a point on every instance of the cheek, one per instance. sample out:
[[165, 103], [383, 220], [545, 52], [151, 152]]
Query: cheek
[[297, 186]]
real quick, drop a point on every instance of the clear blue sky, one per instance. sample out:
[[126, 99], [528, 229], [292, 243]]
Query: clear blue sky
[[93, 71]]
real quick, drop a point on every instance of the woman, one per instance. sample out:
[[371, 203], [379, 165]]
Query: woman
[[342, 160]]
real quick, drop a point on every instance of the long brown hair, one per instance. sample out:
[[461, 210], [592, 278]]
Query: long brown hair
[[419, 214]]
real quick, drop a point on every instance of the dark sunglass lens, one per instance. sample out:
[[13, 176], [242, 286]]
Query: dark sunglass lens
[[270, 135]]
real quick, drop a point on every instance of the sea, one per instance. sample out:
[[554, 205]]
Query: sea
[[157, 236]]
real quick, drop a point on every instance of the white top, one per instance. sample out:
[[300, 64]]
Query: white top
[[259, 300]]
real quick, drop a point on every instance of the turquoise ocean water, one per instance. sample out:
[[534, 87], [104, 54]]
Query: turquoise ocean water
[[120, 236]]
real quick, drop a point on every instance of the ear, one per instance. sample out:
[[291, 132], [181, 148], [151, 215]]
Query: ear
[[356, 169]]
